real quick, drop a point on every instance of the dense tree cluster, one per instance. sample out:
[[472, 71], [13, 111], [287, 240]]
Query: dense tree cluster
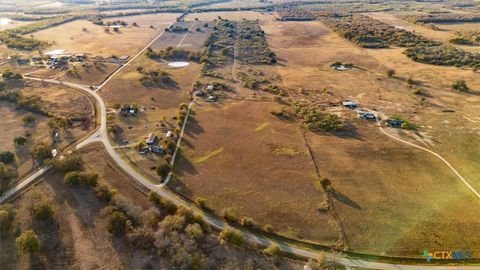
[[219, 47], [466, 38], [294, 14], [29, 103], [443, 18], [252, 44], [13, 40], [171, 53], [155, 77], [315, 119], [444, 55], [371, 33]]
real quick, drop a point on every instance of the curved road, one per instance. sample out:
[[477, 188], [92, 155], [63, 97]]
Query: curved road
[[101, 135]]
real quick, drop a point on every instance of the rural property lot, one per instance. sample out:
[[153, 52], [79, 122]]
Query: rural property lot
[[63, 102], [240, 157], [98, 42], [393, 199], [396, 179]]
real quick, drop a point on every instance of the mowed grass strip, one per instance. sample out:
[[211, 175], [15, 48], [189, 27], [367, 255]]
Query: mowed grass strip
[[209, 155]]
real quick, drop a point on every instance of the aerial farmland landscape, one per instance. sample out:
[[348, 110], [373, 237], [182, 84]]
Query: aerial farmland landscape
[[240, 134]]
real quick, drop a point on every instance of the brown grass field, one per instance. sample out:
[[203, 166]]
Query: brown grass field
[[442, 35], [90, 75], [239, 157], [97, 42], [193, 40], [386, 223], [79, 239], [389, 196], [164, 98], [61, 101]]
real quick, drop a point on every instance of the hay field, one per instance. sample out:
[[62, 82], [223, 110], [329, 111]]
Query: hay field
[[240, 157]]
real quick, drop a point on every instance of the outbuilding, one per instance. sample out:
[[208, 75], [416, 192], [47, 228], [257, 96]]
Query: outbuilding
[[151, 139], [350, 104]]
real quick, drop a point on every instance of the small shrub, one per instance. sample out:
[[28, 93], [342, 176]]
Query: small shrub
[[20, 141], [229, 215], [269, 228], [272, 250], [390, 73], [326, 184], [247, 222], [117, 223], [461, 86], [201, 202], [42, 209], [105, 193], [7, 215], [28, 118], [232, 235], [81, 178], [7, 157], [27, 242]]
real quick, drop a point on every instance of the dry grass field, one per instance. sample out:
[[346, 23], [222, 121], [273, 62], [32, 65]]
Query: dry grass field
[[192, 40], [389, 196], [97, 42], [87, 75], [160, 101], [79, 239], [64, 102], [442, 35], [396, 179], [233, 16], [240, 157]]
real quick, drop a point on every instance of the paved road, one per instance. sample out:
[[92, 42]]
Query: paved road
[[24, 183], [101, 135]]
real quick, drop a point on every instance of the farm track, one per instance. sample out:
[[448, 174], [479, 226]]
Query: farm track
[[102, 136]]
